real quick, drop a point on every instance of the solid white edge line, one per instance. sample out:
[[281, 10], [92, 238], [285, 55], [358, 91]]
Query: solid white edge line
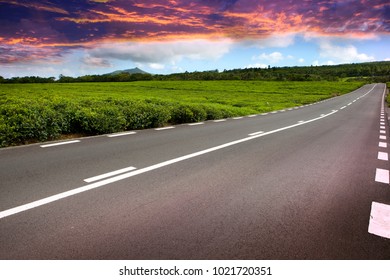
[[109, 174], [59, 144], [75, 191], [238, 118], [382, 176], [379, 220], [222, 120]]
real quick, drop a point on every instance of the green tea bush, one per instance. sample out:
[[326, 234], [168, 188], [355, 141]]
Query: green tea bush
[[188, 113], [139, 115], [36, 112], [101, 119], [29, 121]]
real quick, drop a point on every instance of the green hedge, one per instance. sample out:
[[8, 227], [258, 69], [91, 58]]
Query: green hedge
[[41, 112], [25, 121]]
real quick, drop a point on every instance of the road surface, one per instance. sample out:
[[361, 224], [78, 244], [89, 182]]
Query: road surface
[[302, 183]]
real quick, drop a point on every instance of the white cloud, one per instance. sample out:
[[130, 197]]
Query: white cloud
[[156, 66], [271, 58], [274, 57], [301, 60], [158, 53], [342, 54], [387, 59], [318, 63]]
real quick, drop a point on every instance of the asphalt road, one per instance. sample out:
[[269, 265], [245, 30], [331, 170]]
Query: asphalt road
[[297, 184]]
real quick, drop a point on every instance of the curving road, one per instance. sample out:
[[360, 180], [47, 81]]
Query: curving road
[[303, 183]]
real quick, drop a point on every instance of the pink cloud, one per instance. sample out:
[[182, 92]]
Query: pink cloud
[[31, 26]]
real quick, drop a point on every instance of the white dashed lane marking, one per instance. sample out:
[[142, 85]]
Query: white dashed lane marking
[[383, 156], [59, 144], [382, 144], [121, 134], [382, 176], [109, 174], [255, 133], [194, 124], [164, 128], [380, 220], [126, 175]]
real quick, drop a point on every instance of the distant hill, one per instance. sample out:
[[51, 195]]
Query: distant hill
[[129, 71]]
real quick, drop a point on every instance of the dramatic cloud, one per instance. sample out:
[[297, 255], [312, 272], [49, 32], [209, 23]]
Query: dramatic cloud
[[21, 52], [163, 31]]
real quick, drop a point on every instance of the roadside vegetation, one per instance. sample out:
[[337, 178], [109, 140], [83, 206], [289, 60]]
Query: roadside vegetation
[[371, 72], [49, 111]]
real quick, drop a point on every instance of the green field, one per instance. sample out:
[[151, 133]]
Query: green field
[[40, 112]]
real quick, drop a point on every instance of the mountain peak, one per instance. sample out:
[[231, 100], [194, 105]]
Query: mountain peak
[[135, 70]]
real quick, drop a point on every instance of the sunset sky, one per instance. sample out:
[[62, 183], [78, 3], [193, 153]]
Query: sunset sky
[[52, 37]]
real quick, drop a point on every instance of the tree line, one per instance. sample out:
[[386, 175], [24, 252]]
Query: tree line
[[370, 72]]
